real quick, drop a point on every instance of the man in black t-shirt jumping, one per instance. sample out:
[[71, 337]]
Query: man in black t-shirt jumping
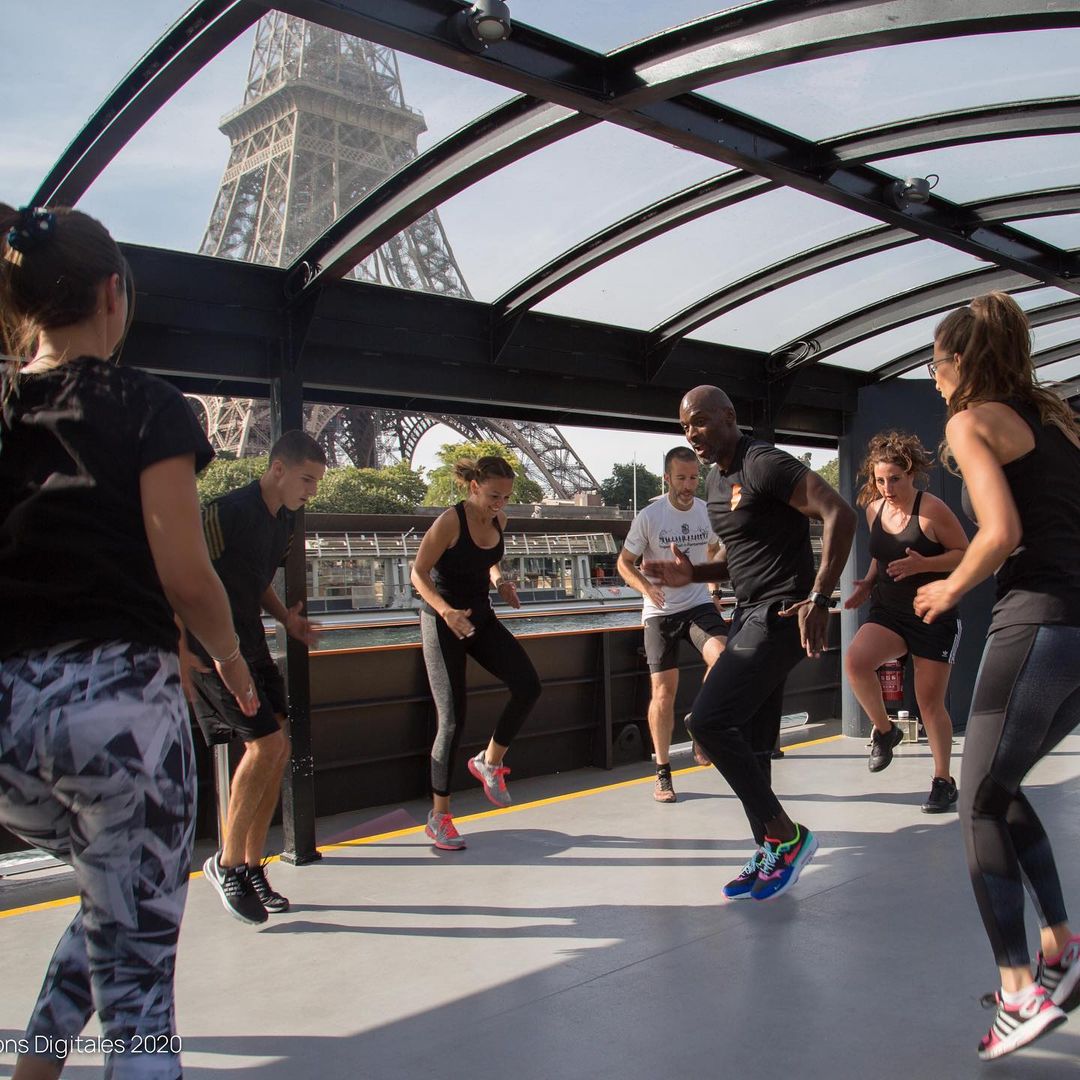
[[248, 534], [760, 500]]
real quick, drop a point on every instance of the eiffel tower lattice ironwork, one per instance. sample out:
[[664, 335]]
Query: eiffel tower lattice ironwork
[[323, 121]]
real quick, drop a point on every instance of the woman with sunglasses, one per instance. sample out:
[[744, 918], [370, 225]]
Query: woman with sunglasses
[[101, 541], [1018, 449]]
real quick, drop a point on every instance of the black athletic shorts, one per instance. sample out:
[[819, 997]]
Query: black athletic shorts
[[220, 717], [937, 641], [664, 632]]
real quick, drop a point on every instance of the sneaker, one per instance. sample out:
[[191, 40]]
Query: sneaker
[[781, 864], [663, 790], [440, 828], [881, 751], [695, 748], [1061, 979], [942, 797], [1017, 1025], [738, 888], [234, 887], [271, 900], [493, 777]]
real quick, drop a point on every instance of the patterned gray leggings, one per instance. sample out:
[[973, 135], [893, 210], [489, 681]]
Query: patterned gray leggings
[[96, 768]]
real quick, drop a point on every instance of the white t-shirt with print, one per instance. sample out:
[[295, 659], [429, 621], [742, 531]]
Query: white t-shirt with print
[[651, 535]]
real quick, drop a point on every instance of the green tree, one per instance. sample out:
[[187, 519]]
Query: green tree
[[830, 472], [223, 475], [394, 489], [442, 489], [618, 488]]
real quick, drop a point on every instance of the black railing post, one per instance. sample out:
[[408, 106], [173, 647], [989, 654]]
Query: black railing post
[[298, 783]]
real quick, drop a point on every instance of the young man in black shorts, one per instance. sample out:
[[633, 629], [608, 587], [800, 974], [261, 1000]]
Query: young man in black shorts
[[248, 533], [759, 500], [671, 614]]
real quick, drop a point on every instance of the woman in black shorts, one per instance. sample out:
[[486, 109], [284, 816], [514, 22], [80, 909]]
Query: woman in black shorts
[[456, 566], [914, 538], [1018, 449]]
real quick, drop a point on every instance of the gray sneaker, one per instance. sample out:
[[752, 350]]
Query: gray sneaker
[[233, 886], [493, 777], [440, 829]]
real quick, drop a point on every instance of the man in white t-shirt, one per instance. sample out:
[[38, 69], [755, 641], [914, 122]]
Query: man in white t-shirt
[[670, 614]]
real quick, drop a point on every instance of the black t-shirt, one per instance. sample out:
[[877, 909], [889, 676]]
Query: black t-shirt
[[75, 564], [247, 544], [767, 540], [1040, 581]]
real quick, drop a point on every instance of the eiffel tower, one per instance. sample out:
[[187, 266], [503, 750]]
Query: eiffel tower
[[323, 121]]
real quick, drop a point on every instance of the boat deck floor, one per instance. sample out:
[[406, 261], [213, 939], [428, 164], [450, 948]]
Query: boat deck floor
[[581, 935]]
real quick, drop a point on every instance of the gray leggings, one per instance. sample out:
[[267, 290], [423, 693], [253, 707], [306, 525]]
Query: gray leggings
[[1027, 699], [96, 768], [493, 647]]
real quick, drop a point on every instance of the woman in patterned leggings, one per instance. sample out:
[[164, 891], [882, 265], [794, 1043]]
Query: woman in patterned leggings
[[100, 542]]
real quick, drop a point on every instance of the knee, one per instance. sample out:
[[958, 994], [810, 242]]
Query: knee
[[855, 664], [985, 798], [526, 690], [269, 750]]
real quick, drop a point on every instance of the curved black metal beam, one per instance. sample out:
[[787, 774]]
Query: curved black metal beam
[[1048, 202], [1047, 315], [185, 49], [506, 134], [878, 317], [775, 33], [693, 122]]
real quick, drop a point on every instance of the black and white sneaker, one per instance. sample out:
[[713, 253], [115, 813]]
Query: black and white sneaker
[[883, 745], [233, 885], [1061, 979], [273, 901], [942, 797]]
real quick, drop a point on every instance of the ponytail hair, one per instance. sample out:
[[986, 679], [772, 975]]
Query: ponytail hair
[[993, 339], [467, 469], [52, 262], [893, 448]]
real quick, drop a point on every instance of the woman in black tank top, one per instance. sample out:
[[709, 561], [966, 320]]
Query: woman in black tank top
[[914, 538], [1018, 449], [456, 566]]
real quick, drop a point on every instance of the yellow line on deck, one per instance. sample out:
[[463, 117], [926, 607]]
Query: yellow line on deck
[[414, 829]]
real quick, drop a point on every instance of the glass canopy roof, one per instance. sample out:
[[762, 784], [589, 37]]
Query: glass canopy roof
[[698, 172]]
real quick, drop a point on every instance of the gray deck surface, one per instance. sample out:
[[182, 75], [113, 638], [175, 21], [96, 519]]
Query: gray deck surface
[[583, 937]]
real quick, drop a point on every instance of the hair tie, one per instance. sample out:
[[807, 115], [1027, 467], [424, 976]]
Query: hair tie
[[34, 227]]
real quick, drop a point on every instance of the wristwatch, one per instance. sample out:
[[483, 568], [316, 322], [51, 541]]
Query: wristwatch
[[821, 600]]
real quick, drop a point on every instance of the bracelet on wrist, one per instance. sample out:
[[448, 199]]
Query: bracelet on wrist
[[231, 657]]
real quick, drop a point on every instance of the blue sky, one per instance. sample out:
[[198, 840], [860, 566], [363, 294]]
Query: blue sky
[[161, 188]]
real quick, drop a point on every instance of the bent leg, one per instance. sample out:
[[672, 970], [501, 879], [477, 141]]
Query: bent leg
[[871, 647], [931, 682]]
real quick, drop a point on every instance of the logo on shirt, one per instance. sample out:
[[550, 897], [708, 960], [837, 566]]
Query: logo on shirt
[[736, 495]]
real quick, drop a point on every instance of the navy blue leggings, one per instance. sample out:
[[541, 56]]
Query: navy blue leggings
[[1027, 699]]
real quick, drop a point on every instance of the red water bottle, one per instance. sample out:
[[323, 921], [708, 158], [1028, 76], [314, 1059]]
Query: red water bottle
[[891, 677]]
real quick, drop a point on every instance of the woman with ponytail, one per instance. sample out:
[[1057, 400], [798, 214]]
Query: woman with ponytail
[[1018, 449], [456, 566], [101, 541], [914, 538]]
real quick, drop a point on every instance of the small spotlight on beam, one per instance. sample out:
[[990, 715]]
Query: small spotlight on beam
[[486, 23], [913, 189]]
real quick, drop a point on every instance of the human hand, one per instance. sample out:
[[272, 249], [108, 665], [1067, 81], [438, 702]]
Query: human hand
[[813, 625], [459, 623], [859, 595], [299, 627], [189, 662], [934, 599], [508, 591], [676, 573], [236, 676], [914, 563]]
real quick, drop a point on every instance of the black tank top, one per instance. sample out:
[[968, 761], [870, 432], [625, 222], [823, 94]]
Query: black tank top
[[1040, 581], [885, 547], [461, 576]]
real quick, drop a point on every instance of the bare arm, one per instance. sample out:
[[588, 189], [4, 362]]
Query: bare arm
[[295, 623], [173, 523], [637, 580], [442, 535], [864, 584], [503, 586], [999, 531], [815, 499]]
